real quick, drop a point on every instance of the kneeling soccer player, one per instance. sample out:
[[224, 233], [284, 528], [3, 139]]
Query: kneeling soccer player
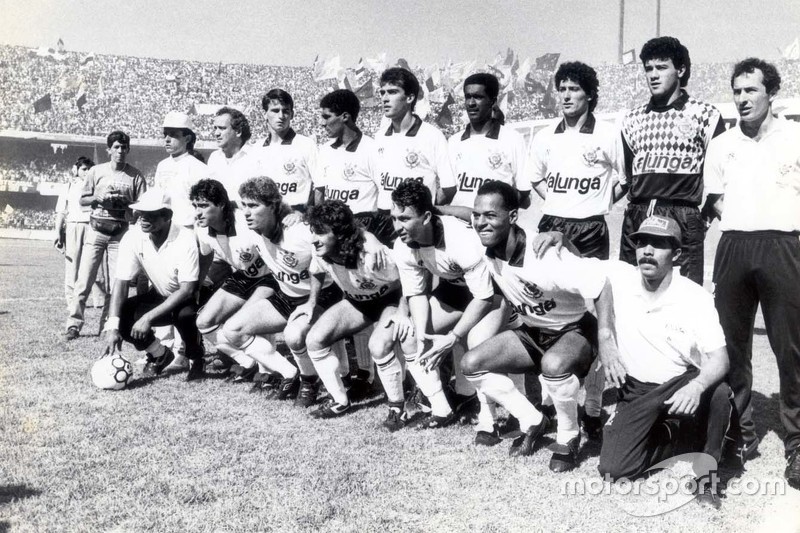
[[167, 253], [371, 296], [558, 335]]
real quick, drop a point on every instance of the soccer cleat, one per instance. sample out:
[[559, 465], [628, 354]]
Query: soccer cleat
[[565, 456], [792, 472], [466, 408], [307, 394], [397, 417], [708, 493], [486, 438], [196, 370], [360, 386], [438, 422], [266, 384], [155, 366], [245, 375], [526, 444], [72, 333], [331, 409], [288, 388], [592, 426]]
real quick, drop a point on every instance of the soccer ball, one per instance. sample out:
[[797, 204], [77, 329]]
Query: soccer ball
[[111, 372]]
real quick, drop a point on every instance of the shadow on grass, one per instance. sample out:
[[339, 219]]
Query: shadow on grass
[[9, 493]]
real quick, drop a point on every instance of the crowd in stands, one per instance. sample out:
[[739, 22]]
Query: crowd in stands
[[53, 168], [134, 94], [27, 219]]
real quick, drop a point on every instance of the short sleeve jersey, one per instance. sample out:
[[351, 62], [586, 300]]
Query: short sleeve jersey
[[350, 173], [665, 149], [103, 179], [290, 163], [357, 281], [659, 339], [166, 267], [68, 202], [760, 179], [418, 155], [579, 168], [177, 175], [547, 293], [456, 256], [233, 171], [497, 156], [238, 247]]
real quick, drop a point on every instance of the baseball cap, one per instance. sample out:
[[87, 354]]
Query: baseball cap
[[178, 120], [153, 199], [660, 227]]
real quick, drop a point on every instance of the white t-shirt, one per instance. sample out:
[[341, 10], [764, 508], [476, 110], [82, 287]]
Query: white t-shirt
[[550, 292], [456, 255], [760, 179], [69, 202], [659, 340], [166, 267], [499, 156], [358, 282], [233, 171], [418, 155], [579, 168], [290, 163], [238, 247], [350, 173], [177, 175]]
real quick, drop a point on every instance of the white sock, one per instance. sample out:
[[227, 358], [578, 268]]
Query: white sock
[[463, 386], [499, 388], [361, 345], [340, 349], [487, 415], [430, 384], [594, 384], [235, 353], [303, 362], [564, 390], [327, 366], [264, 352], [390, 371], [210, 335]]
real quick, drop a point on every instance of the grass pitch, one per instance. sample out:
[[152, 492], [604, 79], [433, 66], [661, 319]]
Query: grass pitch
[[166, 455]]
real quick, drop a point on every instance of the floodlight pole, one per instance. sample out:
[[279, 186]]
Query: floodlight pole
[[621, 28], [658, 18]]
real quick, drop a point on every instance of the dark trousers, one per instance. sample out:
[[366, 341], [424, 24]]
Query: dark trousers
[[633, 439], [183, 318], [761, 267], [589, 235], [692, 226]]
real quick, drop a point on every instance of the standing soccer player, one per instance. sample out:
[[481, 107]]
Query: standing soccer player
[[665, 143], [410, 149], [230, 164], [756, 165]]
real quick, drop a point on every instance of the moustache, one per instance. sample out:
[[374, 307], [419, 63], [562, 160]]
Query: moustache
[[648, 261]]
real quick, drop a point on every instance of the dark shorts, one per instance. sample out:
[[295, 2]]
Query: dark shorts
[[243, 286], [372, 309], [287, 304], [379, 223], [538, 341], [456, 296], [589, 235]]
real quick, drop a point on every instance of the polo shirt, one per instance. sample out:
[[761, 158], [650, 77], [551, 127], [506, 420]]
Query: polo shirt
[[350, 173], [760, 179], [418, 155], [237, 246], [233, 171], [499, 155], [579, 168], [166, 267], [358, 281], [549, 292], [103, 179], [660, 339], [290, 163], [176, 175], [456, 255]]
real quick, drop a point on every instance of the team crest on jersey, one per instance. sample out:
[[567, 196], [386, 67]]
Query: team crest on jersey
[[532, 290], [349, 170], [452, 266], [685, 127], [245, 256], [591, 155], [412, 159], [495, 160], [289, 167], [289, 259], [365, 284]]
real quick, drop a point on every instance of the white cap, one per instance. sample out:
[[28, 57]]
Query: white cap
[[178, 120], [153, 199]]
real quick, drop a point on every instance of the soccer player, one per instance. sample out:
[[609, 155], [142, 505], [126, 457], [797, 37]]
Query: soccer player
[[167, 254], [286, 156], [558, 335], [371, 296], [665, 143], [177, 173], [672, 348], [756, 165], [109, 189], [230, 164], [410, 149], [485, 150], [223, 234], [462, 306]]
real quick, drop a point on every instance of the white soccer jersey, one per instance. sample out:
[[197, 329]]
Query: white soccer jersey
[[176, 175], [290, 163], [456, 256], [234, 171], [579, 168], [166, 267], [357, 281], [238, 247], [350, 173], [497, 156], [418, 155], [549, 292], [289, 259]]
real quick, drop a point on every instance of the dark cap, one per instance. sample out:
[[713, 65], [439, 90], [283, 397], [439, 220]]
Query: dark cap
[[659, 227]]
